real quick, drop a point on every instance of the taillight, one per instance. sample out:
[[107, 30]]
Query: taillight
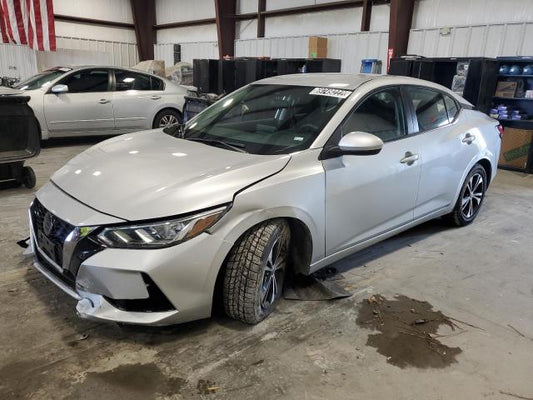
[[500, 130]]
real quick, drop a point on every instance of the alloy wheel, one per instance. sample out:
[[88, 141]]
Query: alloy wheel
[[272, 276], [472, 196], [167, 120]]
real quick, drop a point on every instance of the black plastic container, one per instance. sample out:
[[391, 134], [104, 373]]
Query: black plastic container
[[19, 138]]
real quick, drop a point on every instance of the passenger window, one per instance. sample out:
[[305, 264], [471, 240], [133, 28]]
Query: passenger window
[[157, 84], [429, 108], [380, 114], [86, 81], [451, 107], [126, 80]]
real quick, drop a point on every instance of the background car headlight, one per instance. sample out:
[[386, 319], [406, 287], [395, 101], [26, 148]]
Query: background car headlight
[[160, 234]]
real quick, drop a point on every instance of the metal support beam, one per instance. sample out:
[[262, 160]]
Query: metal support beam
[[367, 15], [261, 7], [401, 16], [91, 21], [144, 21], [225, 17], [185, 24]]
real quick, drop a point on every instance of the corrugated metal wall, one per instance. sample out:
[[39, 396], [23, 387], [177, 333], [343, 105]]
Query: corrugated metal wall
[[21, 62], [189, 51], [17, 61], [120, 53], [491, 40], [350, 48]]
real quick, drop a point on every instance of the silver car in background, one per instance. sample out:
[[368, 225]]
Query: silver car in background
[[95, 100], [290, 173]]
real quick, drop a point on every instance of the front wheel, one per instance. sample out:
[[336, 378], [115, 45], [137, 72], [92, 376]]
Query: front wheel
[[470, 198], [255, 271]]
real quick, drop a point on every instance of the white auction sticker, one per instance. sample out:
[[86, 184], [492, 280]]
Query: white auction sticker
[[339, 93]]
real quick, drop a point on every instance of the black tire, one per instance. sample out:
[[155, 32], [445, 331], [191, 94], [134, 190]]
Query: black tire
[[28, 177], [250, 293], [470, 197], [172, 115]]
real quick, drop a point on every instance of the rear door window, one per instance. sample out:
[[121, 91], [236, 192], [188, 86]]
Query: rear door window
[[429, 107], [127, 80], [451, 107]]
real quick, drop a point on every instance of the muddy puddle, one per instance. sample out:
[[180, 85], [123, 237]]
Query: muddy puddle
[[407, 332], [132, 382]]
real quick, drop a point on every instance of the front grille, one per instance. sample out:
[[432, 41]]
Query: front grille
[[57, 235], [66, 276]]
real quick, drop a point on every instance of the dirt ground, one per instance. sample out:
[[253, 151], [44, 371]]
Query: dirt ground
[[471, 290]]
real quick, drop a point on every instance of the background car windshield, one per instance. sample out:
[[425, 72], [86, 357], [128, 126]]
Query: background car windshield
[[266, 119], [38, 81]]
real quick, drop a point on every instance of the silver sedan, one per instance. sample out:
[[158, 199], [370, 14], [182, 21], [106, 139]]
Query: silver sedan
[[98, 100], [289, 173]]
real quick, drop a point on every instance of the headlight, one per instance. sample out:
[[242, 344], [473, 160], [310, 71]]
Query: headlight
[[160, 234]]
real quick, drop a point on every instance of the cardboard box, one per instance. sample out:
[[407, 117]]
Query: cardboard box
[[318, 47], [506, 89], [516, 145]]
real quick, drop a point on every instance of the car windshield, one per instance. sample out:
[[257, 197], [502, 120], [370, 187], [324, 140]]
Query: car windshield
[[267, 119], [40, 80]]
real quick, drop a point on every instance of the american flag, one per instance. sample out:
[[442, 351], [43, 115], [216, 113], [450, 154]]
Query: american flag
[[28, 22]]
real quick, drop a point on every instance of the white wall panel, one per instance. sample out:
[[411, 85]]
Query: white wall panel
[[246, 29], [505, 39], [246, 6], [350, 48], [17, 61], [202, 33], [94, 32], [324, 22], [437, 13], [183, 10], [109, 10]]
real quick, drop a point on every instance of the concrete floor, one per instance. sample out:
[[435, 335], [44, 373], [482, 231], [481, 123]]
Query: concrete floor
[[481, 275]]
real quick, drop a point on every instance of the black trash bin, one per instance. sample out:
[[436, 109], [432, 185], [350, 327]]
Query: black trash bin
[[19, 137]]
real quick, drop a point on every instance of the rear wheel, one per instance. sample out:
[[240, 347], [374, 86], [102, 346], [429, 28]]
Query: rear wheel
[[255, 272], [470, 198], [166, 118]]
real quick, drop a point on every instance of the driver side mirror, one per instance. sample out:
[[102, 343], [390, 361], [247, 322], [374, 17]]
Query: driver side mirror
[[57, 89], [356, 144]]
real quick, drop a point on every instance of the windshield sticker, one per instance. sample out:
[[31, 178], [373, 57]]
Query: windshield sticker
[[64, 69], [330, 92], [298, 139]]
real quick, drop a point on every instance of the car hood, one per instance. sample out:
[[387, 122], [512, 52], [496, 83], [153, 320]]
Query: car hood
[[151, 175]]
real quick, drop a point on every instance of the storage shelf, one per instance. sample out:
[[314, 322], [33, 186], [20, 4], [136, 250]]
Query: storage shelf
[[519, 124], [512, 98]]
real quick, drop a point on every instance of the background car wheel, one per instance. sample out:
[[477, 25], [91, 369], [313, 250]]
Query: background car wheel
[[470, 198], [28, 177], [166, 118], [255, 271]]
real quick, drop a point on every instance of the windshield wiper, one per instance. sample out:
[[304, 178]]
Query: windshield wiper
[[232, 146]]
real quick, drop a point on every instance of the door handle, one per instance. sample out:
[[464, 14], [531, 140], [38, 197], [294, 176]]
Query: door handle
[[155, 97], [103, 101], [469, 138], [409, 158]]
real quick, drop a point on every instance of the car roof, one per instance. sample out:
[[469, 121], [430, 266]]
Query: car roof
[[81, 67], [352, 81]]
